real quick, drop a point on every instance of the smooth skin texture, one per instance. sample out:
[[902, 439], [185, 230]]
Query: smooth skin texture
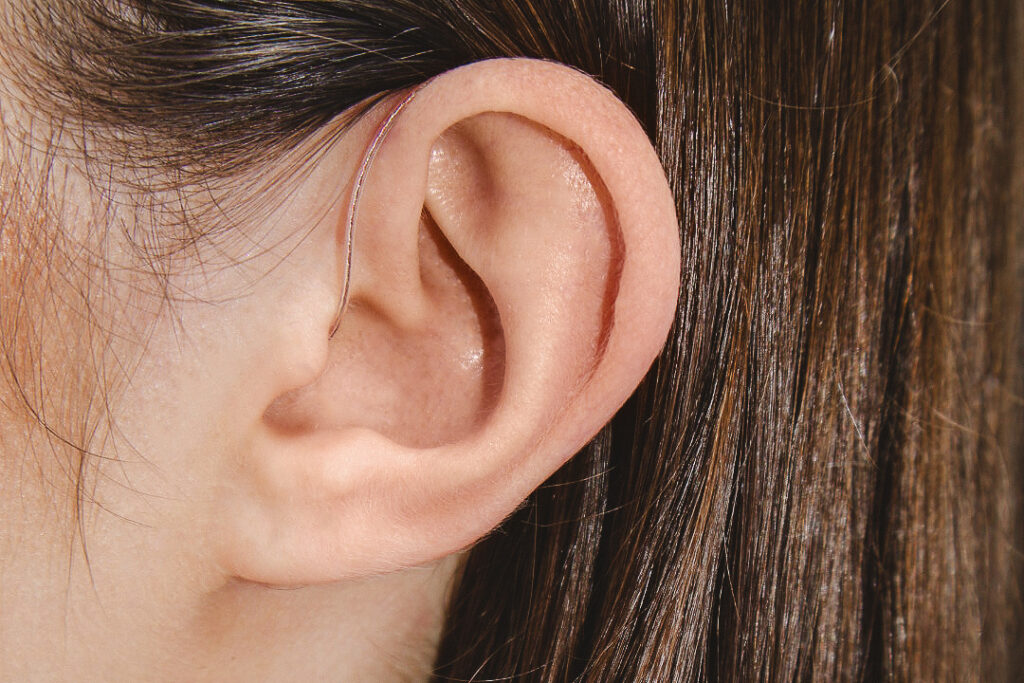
[[282, 505]]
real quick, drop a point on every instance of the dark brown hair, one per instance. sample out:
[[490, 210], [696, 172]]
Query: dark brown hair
[[819, 478]]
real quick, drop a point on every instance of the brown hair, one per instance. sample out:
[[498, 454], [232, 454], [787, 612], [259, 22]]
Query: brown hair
[[819, 478]]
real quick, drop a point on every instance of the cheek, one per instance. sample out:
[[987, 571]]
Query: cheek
[[191, 350], [181, 407], [141, 375], [50, 369], [107, 385]]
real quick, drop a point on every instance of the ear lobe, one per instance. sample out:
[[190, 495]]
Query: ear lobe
[[517, 217]]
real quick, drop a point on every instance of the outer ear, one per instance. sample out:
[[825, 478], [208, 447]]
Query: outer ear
[[516, 266]]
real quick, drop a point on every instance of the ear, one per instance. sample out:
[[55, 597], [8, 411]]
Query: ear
[[515, 270]]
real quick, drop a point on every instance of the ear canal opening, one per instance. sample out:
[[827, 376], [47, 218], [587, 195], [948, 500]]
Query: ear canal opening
[[480, 351], [422, 385]]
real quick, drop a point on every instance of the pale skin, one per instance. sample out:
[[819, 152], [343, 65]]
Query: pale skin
[[273, 503]]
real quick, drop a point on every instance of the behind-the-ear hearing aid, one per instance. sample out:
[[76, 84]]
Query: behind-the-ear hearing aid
[[357, 191]]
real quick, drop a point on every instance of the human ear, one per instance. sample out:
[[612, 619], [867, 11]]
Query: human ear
[[515, 270]]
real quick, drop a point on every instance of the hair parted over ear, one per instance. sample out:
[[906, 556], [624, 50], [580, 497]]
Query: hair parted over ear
[[515, 270]]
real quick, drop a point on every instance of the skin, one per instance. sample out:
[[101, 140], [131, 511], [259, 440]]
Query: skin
[[266, 502], [152, 601]]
